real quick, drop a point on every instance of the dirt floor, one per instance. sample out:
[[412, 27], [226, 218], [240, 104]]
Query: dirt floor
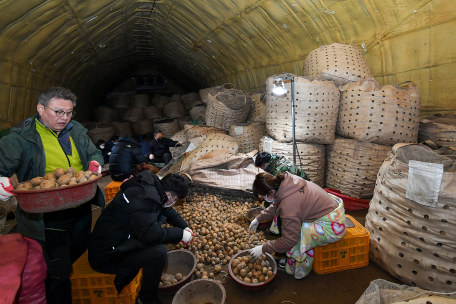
[[344, 287]]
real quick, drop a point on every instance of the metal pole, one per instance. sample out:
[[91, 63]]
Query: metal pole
[[293, 118]]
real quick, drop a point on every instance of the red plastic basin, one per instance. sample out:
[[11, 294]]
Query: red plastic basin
[[55, 199], [350, 203]]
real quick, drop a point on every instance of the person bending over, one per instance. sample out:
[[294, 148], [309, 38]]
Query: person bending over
[[278, 164]]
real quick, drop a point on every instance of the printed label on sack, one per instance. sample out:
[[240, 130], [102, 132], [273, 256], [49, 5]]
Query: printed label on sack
[[267, 145], [238, 130]]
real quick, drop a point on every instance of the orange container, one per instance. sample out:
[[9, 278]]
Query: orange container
[[111, 190], [91, 287], [350, 252]]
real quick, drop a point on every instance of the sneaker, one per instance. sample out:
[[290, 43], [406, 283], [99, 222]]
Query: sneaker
[[281, 264]]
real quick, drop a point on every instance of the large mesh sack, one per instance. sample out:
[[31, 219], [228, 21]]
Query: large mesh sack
[[384, 115], [152, 113], [122, 128], [198, 112], [169, 127], [213, 142], [106, 114], [173, 110], [159, 101], [120, 101], [101, 131], [384, 292], [175, 98], [248, 135], [336, 62], [192, 131], [316, 109], [134, 114], [182, 121], [258, 111], [413, 242], [352, 166], [189, 99], [179, 136], [204, 93], [143, 127], [228, 107], [441, 129], [309, 157], [140, 101]]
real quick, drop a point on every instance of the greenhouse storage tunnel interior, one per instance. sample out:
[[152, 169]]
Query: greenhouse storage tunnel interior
[[102, 48], [92, 46]]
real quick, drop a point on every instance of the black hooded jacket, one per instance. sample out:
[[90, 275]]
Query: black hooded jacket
[[135, 212], [125, 155], [159, 148]]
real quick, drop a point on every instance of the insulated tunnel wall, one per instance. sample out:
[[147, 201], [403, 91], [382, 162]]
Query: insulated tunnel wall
[[87, 45]]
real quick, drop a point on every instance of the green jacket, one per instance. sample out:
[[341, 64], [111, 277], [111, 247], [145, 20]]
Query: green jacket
[[279, 164], [22, 152]]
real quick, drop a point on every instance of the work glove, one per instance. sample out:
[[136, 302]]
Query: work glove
[[257, 251], [5, 189], [94, 166], [109, 153], [253, 226], [151, 156], [187, 237]]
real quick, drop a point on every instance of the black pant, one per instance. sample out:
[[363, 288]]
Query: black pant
[[152, 260], [67, 234], [166, 158]]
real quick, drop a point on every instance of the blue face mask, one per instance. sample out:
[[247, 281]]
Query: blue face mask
[[269, 201]]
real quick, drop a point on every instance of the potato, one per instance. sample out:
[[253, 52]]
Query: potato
[[74, 179], [92, 177], [37, 187], [64, 179], [79, 175], [72, 182], [36, 181], [173, 281], [82, 180], [24, 186], [87, 173], [49, 176], [59, 172], [179, 276], [47, 184], [71, 171]]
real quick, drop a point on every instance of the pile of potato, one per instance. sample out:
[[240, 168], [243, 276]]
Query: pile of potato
[[167, 280], [252, 270], [60, 178], [220, 228]]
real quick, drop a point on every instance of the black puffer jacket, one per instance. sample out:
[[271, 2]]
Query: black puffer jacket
[[125, 155], [135, 212], [158, 148]]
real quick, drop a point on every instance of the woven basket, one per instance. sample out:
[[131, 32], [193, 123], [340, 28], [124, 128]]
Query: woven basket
[[122, 128], [134, 114], [120, 101], [143, 127], [106, 114], [204, 93], [169, 127], [309, 157], [159, 101], [173, 110], [383, 115], [258, 112], [175, 98], [336, 62], [441, 129], [195, 112], [140, 101], [101, 131], [248, 135], [352, 166], [413, 242], [189, 99], [213, 142], [316, 110], [192, 131], [182, 121], [152, 113], [227, 108]]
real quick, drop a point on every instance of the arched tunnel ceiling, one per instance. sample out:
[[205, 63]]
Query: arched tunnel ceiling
[[88, 44]]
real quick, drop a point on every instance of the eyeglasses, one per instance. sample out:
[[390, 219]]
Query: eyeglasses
[[62, 113]]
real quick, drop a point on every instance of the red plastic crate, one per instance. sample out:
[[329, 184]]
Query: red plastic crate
[[350, 203]]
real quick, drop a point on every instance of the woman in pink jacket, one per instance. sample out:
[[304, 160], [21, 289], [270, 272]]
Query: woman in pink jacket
[[310, 217]]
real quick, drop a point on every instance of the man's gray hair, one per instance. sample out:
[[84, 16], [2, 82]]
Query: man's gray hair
[[56, 92]]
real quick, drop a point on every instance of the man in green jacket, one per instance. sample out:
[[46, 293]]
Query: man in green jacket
[[278, 164], [38, 146]]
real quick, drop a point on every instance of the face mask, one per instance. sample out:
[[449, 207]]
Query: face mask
[[167, 204], [160, 139], [269, 201], [102, 147], [116, 142]]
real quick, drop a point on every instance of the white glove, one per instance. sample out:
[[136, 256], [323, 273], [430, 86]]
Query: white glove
[[257, 251], [189, 230], [94, 166], [187, 237], [5, 189], [109, 153], [254, 225], [151, 156]]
